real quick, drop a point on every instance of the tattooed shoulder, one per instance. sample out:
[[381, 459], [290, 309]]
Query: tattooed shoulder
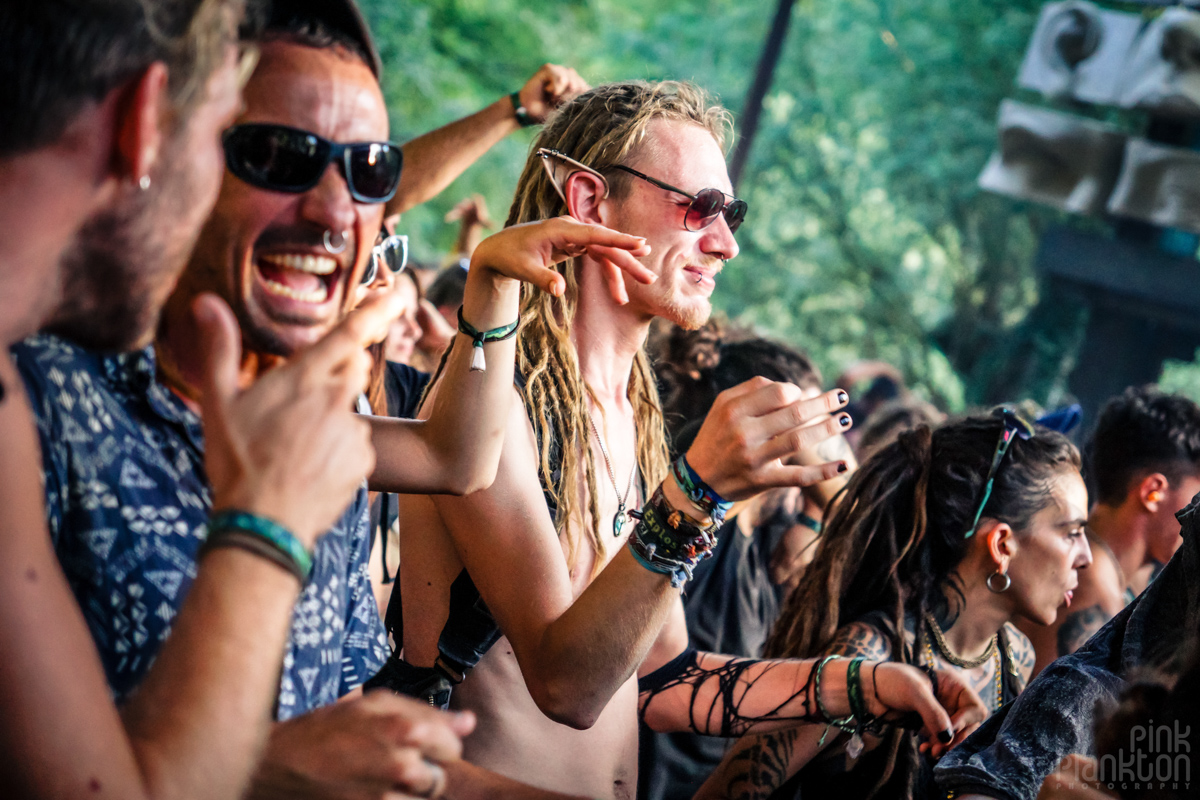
[[860, 639], [1079, 626], [1021, 651]]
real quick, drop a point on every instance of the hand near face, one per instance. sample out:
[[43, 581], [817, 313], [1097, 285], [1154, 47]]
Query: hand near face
[[375, 745], [436, 333], [755, 430], [528, 252], [549, 88], [289, 447]]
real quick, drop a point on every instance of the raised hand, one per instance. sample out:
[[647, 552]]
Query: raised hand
[[289, 447], [755, 430], [528, 252], [549, 88]]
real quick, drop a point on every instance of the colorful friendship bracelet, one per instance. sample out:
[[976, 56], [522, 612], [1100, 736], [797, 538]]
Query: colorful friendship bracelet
[[479, 338], [667, 541], [699, 492], [262, 536]]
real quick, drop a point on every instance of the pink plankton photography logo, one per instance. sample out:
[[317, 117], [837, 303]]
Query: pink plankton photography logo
[[1159, 757]]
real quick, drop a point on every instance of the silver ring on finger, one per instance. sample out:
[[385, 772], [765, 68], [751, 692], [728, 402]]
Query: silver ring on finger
[[438, 785]]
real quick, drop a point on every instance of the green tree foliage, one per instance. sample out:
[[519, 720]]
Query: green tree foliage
[[868, 237]]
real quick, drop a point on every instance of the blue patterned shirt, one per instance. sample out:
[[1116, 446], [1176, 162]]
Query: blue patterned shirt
[[127, 501]]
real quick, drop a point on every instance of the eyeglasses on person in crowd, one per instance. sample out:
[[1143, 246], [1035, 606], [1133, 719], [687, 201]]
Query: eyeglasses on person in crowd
[[392, 253], [284, 159], [705, 206]]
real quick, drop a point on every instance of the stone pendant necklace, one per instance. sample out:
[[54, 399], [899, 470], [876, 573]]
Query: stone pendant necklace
[[619, 517]]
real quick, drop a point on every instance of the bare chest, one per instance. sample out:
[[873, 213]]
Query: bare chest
[[513, 737]]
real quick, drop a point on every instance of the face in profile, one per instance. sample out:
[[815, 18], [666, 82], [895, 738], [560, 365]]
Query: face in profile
[[267, 251], [1051, 551], [125, 261]]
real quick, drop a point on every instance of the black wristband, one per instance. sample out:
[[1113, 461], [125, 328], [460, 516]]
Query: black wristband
[[521, 112]]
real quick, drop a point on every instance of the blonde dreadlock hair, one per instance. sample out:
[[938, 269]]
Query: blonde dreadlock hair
[[601, 128]]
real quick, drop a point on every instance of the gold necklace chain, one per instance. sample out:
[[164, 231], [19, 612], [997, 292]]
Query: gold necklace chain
[[999, 686], [965, 663]]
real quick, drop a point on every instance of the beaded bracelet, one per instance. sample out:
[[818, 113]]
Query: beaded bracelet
[[667, 541], [478, 338], [259, 535], [699, 492]]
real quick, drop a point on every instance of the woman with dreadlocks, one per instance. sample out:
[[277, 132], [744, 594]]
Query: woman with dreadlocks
[[940, 541]]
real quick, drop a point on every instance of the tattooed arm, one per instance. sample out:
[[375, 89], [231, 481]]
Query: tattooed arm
[[757, 765], [717, 695]]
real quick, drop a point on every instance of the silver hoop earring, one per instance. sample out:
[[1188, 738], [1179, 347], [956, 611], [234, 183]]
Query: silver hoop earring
[[1003, 576], [330, 247]]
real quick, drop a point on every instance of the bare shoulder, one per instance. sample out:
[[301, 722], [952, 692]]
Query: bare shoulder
[[1020, 650], [858, 639]]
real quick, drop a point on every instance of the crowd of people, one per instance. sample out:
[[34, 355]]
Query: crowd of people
[[283, 515]]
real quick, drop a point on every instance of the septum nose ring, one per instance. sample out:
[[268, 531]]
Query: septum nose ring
[[335, 241]]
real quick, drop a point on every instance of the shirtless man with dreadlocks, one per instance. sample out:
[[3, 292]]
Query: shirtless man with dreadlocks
[[580, 612]]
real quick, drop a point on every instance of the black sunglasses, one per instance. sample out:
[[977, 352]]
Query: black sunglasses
[[284, 159], [392, 253], [705, 206]]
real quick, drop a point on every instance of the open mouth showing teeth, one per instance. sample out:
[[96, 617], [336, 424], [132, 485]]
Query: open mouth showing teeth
[[304, 278]]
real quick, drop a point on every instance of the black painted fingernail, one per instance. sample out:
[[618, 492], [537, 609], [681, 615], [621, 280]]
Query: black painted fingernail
[[842, 467], [844, 420], [946, 737], [843, 397]]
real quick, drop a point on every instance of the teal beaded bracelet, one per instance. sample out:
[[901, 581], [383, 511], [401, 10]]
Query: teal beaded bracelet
[[243, 529]]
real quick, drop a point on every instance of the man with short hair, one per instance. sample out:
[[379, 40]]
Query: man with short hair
[[1143, 461], [569, 613], [109, 161]]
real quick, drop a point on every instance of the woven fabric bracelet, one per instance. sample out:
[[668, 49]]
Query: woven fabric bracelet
[[479, 338], [520, 111], [698, 491], [667, 541], [262, 536]]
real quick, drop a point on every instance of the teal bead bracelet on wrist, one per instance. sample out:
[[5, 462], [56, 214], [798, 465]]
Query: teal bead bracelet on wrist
[[252, 532]]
